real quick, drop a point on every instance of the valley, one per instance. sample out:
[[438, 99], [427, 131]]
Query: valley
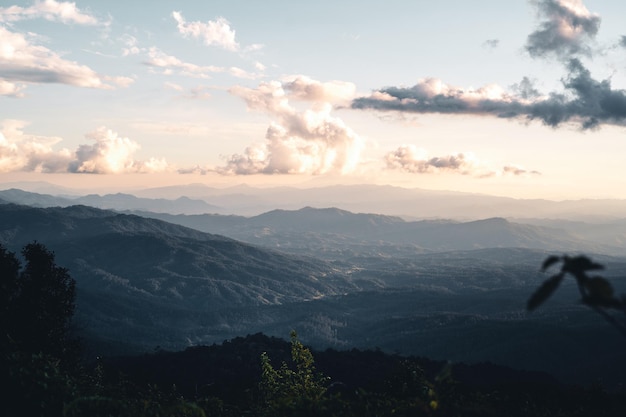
[[446, 289]]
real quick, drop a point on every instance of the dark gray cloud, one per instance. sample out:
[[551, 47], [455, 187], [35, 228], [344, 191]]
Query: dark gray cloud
[[584, 100], [622, 41], [565, 31]]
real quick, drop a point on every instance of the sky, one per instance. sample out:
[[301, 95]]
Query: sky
[[525, 99]]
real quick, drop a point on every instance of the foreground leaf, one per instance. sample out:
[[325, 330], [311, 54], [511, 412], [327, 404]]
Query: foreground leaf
[[544, 291]]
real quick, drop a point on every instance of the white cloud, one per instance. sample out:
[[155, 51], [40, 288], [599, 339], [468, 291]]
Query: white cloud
[[24, 152], [52, 10], [302, 87], [240, 73], [414, 160], [296, 142], [169, 63], [11, 89], [212, 33], [22, 61], [112, 154], [130, 45]]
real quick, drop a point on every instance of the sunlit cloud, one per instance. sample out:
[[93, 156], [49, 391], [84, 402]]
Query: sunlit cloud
[[110, 154], [304, 88], [212, 33], [566, 29], [11, 89], [20, 151], [27, 63], [310, 141], [65, 12], [413, 160]]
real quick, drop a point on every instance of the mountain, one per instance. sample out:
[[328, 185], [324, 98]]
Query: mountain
[[155, 280], [117, 201], [408, 203], [121, 201], [143, 283], [333, 233], [17, 196], [395, 201]]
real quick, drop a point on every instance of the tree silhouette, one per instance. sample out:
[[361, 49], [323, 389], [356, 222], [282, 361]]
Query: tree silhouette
[[37, 302], [596, 292]]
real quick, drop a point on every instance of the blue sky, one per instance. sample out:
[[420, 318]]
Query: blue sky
[[518, 98]]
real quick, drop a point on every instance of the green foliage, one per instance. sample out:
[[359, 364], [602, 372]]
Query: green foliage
[[595, 291], [285, 389]]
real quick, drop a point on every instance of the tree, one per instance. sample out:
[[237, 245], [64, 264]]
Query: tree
[[596, 292], [37, 302], [285, 391], [9, 273]]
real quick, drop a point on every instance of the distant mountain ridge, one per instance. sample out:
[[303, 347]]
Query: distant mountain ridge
[[299, 229], [117, 201], [303, 229], [409, 203]]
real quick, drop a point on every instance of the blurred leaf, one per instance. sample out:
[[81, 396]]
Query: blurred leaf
[[544, 291], [599, 287], [551, 260], [580, 264]]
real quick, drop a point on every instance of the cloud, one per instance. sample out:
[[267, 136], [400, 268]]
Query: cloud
[[584, 101], [112, 154], [491, 43], [199, 92], [622, 41], [240, 73], [517, 171], [212, 33], [11, 89], [24, 152], [565, 31], [130, 45], [309, 141], [23, 62], [169, 63], [414, 160], [52, 10], [304, 88]]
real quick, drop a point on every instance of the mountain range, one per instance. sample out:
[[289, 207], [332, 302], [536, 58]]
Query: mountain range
[[449, 289], [409, 203]]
